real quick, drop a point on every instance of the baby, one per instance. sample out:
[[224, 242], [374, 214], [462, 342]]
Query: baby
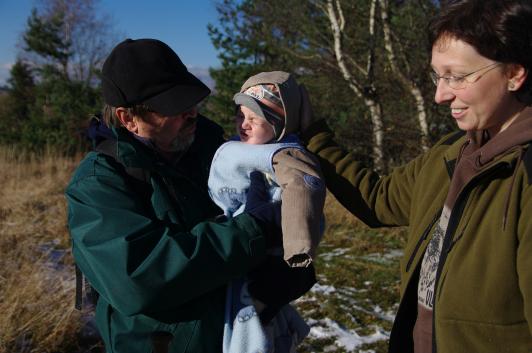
[[267, 117]]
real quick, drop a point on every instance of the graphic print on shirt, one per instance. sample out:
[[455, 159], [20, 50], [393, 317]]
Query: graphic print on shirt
[[431, 260], [232, 198]]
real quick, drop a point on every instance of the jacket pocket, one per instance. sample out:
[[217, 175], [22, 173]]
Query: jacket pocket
[[458, 336]]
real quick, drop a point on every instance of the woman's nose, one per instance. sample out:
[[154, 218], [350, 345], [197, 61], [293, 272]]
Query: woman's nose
[[444, 93]]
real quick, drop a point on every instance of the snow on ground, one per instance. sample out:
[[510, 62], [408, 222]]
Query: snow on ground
[[383, 258], [344, 338], [322, 289], [334, 253], [349, 336]]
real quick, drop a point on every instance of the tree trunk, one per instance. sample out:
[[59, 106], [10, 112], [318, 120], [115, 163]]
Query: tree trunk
[[407, 83], [369, 96]]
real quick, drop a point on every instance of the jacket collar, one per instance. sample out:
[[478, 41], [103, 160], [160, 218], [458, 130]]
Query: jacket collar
[[452, 154], [133, 153]]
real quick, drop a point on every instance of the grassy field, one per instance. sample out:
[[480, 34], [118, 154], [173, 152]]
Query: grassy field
[[37, 310], [350, 310]]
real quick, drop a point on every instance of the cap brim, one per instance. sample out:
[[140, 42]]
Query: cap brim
[[180, 98], [249, 102]]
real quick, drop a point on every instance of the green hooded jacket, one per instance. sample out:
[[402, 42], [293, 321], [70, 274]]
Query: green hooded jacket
[[148, 249], [484, 284]]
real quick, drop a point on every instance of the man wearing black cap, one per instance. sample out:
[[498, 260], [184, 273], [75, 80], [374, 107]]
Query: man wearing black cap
[[138, 211]]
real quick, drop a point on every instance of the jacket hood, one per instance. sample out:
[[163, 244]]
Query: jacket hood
[[485, 150], [479, 150], [289, 92]]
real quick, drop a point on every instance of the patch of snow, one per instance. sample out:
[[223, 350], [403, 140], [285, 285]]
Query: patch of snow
[[344, 338], [388, 315], [322, 289], [383, 258], [334, 253], [394, 254]]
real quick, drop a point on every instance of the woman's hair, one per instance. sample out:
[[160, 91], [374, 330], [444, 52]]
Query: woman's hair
[[500, 30], [109, 114]]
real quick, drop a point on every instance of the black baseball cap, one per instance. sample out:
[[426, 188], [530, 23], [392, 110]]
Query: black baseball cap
[[147, 71]]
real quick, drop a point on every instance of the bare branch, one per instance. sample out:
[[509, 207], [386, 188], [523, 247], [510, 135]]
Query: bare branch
[[356, 65], [406, 82], [367, 92], [371, 53], [401, 54], [340, 15], [337, 35]]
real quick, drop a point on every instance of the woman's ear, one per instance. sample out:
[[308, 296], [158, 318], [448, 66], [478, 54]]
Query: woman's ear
[[517, 75], [127, 120]]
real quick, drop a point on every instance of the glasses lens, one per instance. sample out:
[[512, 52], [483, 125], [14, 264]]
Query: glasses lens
[[456, 82], [434, 77]]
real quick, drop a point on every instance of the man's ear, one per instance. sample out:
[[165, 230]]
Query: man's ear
[[127, 120], [517, 75]]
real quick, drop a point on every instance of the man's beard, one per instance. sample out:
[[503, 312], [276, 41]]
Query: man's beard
[[181, 142]]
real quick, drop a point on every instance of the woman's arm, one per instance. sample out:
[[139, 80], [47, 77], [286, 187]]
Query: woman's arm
[[377, 200]]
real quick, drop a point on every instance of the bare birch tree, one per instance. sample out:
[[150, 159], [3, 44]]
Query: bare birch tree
[[86, 36], [89, 33], [364, 88], [407, 82]]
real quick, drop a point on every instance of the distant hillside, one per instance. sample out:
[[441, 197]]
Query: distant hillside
[[3, 90], [203, 74]]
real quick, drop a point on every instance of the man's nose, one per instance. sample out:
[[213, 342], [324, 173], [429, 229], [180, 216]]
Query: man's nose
[[443, 93]]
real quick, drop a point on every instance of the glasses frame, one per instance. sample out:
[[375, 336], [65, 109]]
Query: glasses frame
[[460, 81]]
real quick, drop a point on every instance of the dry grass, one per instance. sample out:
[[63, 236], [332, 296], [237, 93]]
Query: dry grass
[[36, 302]]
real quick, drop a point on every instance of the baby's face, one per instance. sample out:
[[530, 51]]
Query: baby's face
[[252, 128]]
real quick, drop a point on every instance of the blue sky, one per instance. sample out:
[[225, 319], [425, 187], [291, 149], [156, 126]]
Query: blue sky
[[182, 24]]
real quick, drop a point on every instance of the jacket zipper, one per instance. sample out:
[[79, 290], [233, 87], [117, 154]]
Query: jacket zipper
[[422, 239], [454, 220]]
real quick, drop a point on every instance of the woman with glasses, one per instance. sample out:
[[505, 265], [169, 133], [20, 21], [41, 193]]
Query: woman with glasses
[[467, 267]]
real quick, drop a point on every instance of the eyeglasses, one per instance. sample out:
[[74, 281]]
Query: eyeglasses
[[460, 82]]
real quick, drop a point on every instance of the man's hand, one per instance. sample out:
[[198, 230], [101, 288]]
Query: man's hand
[[267, 213], [275, 284]]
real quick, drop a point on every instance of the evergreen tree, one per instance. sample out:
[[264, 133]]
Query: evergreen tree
[[45, 37], [17, 102]]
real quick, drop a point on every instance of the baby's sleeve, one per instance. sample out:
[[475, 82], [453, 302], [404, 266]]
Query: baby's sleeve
[[303, 194]]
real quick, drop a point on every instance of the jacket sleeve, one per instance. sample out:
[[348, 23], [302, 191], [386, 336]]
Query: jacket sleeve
[[141, 265], [376, 200], [524, 260], [303, 196]]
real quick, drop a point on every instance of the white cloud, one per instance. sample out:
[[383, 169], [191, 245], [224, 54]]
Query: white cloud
[[4, 72]]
